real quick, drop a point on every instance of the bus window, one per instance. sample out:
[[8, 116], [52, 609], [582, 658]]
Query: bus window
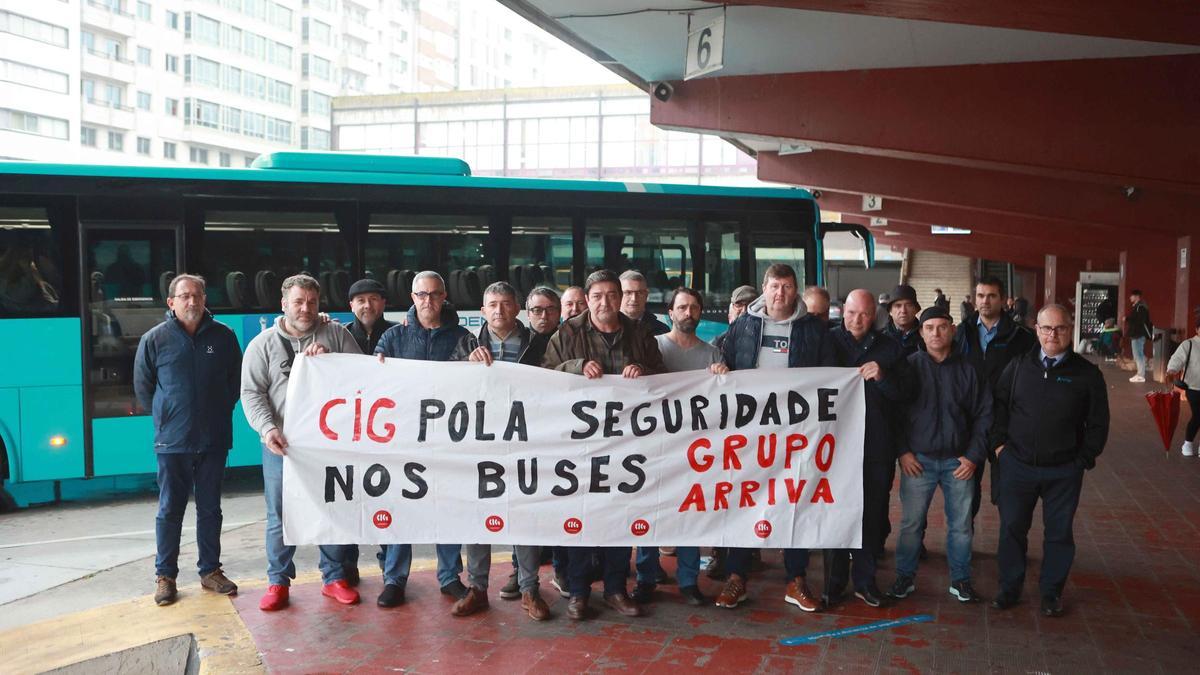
[[248, 254], [30, 264], [540, 253], [722, 263], [777, 239], [656, 248], [457, 247]]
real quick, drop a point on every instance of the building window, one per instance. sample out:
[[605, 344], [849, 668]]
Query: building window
[[172, 63], [33, 76], [31, 123], [143, 100], [143, 10], [171, 107], [19, 24], [116, 141], [198, 155], [87, 137], [172, 20], [225, 159], [168, 150], [143, 56], [143, 145]]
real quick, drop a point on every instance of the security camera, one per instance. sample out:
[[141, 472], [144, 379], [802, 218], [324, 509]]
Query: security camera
[[663, 91], [1131, 192]]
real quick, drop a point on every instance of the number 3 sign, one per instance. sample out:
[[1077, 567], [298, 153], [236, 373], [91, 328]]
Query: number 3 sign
[[705, 49]]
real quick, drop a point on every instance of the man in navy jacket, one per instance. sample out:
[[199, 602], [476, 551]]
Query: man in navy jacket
[[187, 373]]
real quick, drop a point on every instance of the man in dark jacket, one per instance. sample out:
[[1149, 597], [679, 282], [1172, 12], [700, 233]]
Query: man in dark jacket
[[775, 332], [1051, 423], [1139, 329], [989, 340], [431, 333], [942, 439], [739, 300], [187, 373], [881, 362], [901, 324], [602, 341], [367, 302], [634, 293]]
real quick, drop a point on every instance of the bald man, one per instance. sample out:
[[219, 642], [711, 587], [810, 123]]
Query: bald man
[[881, 362]]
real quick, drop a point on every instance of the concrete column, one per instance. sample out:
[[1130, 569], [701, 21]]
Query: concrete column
[[1187, 286], [1061, 276]]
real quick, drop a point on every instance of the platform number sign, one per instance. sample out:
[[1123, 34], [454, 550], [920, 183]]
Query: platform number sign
[[872, 203], [705, 49]]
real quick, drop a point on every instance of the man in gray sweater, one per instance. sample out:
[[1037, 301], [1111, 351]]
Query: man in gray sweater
[[265, 369]]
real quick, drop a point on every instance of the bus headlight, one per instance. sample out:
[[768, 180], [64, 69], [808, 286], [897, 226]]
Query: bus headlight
[[58, 441]]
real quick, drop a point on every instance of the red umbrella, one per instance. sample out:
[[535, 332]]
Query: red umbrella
[[1164, 405]]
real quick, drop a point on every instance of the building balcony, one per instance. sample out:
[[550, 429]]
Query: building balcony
[[359, 64], [105, 65], [106, 114], [102, 15], [368, 34]]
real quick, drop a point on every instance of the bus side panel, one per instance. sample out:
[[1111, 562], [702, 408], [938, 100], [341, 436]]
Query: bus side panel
[[123, 445], [53, 349], [247, 450], [49, 414], [10, 431]]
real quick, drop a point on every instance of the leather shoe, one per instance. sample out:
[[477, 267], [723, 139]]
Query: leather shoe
[[1004, 600], [1052, 606], [623, 604], [535, 606], [577, 607], [475, 600], [392, 596], [644, 593]]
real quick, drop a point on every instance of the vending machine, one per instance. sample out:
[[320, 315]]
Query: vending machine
[[1095, 296]]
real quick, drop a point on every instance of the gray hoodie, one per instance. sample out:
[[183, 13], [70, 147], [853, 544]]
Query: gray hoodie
[[1186, 361], [267, 363], [776, 335]]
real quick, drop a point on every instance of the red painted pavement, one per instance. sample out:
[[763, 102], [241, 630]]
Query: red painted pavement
[[1133, 602]]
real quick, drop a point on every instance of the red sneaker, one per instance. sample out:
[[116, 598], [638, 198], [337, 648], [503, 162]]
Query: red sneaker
[[340, 590], [276, 598]]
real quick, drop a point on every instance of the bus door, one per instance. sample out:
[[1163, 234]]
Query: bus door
[[127, 276]]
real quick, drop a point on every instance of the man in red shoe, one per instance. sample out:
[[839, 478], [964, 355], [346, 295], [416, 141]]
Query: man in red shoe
[[265, 370]]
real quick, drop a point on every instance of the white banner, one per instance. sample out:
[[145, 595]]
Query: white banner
[[424, 452]]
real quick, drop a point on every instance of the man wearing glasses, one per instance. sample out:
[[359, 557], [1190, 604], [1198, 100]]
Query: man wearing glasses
[[430, 333], [1051, 423]]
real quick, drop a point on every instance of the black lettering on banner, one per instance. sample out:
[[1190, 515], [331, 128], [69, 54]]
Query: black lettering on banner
[[633, 464], [458, 422], [746, 407], [516, 423], [375, 487], [531, 487], [491, 480], [797, 407], [699, 403], [413, 471], [770, 413], [334, 477], [825, 403], [431, 409], [565, 469], [724, 411], [610, 419], [579, 410], [638, 429], [479, 433], [598, 476], [672, 425]]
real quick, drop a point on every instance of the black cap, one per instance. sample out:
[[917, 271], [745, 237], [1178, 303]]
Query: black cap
[[935, 312], [367, 286], [904, 292]]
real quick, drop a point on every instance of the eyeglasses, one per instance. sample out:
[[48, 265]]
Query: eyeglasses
[[538, 311], [184, 297], [425, 295], [1050, 330]]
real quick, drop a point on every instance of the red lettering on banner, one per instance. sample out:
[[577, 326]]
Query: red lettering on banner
[[695, 497], [721, 498], [357, 418], [794, 488], [822, 493], [766, 450], [771, 491], [388, 428], [825, 460], [749, 487], [732, 445], [707, 460], [321, 421], [794, 443]]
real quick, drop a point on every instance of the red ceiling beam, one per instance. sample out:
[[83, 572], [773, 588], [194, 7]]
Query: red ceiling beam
[[999, 192], [975, 245], [1114, 121], [993, 243], [1151, 20]]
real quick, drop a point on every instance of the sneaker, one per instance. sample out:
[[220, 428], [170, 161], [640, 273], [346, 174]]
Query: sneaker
[[165, 591], [903, 587], [392, 596], [217, 582], [716, 566], [511, 590], [962, 591], [870, 595], [275, 599], [693, 596], [455, 589], [643, 593], [799, 595], [733, 593], [340, 591], [1189, 449], [559, 582], [1137, 378]]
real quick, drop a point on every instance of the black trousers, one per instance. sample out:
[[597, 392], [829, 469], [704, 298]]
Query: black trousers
[[1021, 485], [877, 488], [614, 562]]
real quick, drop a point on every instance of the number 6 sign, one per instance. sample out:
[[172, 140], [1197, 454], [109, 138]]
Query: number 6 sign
[[705, 49]]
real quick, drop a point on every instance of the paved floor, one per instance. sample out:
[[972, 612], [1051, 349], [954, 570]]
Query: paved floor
[[1133, 600]]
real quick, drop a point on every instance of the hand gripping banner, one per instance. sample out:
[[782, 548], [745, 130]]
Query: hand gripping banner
[[425, 452]]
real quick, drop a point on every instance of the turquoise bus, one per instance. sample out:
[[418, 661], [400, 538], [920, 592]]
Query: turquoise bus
[[87, 253]]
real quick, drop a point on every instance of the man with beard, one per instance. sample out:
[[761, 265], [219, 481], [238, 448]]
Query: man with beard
[[681, 350], [265, 371], [189, 364], [634, 293], [574, 303], [901, 323]]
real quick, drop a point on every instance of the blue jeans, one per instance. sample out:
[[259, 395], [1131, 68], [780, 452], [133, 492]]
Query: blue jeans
[[1138, 345], [397, 561], [915, 496], [280, 568], [178, 475], [686, 573]]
